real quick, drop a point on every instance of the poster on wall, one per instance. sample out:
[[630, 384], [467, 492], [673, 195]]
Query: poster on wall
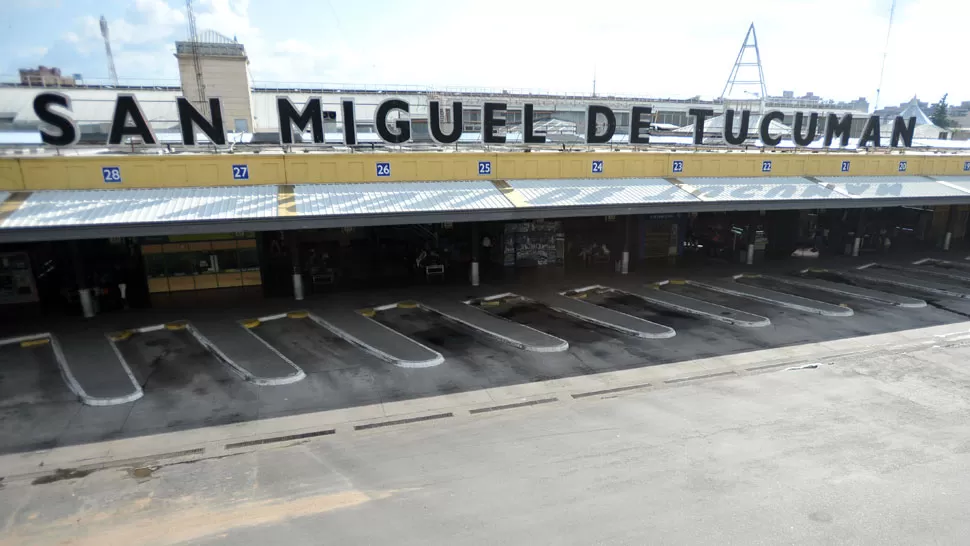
[[16, 279]]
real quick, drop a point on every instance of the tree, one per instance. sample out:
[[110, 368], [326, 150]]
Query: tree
[[939, 116]]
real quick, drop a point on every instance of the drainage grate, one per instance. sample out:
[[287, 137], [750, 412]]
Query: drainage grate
[[693, 378], [611, 391], [404, 421], [513, 406], [276, 439]]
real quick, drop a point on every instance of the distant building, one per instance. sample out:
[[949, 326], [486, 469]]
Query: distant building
[[225, 75], [44, 76]]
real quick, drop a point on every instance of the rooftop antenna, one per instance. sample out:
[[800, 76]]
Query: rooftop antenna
[[594, 80], [107, 49], [885, 53], [750, 43], [196, 58]]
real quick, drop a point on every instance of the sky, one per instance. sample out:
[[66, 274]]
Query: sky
[[675, 49]]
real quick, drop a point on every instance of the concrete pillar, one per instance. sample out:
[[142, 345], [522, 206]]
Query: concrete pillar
[[750, 257], [87, 302], [293, 243], [83, 290], [857, 243], [625, 257], [952, 216], [473, 274]]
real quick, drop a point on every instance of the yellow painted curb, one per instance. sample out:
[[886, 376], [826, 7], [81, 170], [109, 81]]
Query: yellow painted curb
[[676, 281], [174, 326], [120, 336], [407, 305], [250, 324], [367, 312], [297, 314], [35, 342], [491, 303]]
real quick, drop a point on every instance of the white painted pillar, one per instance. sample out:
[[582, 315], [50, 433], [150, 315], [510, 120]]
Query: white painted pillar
[[946, 240], [87, 302], [474, 273], [750, 260], [856, 245], [625, 263], [298, 287], [123, 288]]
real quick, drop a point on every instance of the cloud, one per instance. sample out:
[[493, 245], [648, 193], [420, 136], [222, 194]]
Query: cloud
[[32, 52]]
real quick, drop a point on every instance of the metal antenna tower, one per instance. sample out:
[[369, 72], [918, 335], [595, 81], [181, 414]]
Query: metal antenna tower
[[196, 58], [885, 53], [744, 80], [107, 49]]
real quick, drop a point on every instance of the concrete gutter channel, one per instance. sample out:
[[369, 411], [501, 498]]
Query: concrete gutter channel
[[694, 306], [798, 303], [68, 375], [587, 312], [870, 272]]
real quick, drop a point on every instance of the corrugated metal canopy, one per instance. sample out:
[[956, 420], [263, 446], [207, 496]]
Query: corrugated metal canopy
[[959, 182], [875, 187], [590, 191], [138, 206], [397, 197], [759, 189]]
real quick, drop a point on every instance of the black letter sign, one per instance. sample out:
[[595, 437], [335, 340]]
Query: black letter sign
[[127, 107], [870, 133], [742, 135], [764, 128], [593, 111], [699, 115], [796, 131], [189, 118], [529, 126], [490, 122], [403, 133], [434, 124], [350, 123], [837, 128], [638, 124], [310, 115], [900, 129], [65, 125]]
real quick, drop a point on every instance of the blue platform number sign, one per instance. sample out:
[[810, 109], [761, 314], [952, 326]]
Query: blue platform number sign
[[678, 166], [484, 167], [845, 166], [902, 166], [766, 166], [383, 169], [111, 175], [966, 165], [597, 166], [240, 172]]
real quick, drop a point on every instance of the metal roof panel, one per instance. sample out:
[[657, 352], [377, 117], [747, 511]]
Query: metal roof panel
[[137, 206], [875, 187], [397, 197], [781, 188], [596, 191]]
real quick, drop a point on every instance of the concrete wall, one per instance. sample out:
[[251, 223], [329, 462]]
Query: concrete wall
[[225, 78]]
